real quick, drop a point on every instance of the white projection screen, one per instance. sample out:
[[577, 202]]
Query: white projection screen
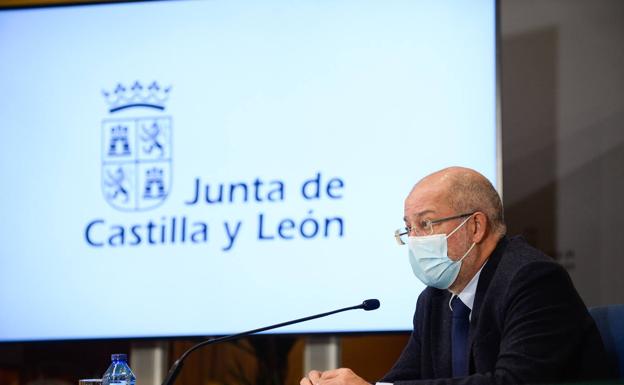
[[187, 168]]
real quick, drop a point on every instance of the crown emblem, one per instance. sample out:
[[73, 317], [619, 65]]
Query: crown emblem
[[152, 96]]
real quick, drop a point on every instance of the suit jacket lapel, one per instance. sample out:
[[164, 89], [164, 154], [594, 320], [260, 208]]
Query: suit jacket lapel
[[441, 335], [484, 282]]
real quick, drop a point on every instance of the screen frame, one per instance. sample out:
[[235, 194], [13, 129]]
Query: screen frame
[[37, 4]]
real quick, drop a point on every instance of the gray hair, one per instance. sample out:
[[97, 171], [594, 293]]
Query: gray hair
[[470, 191]]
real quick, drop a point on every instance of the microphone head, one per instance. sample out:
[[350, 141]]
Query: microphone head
[[370, 304]]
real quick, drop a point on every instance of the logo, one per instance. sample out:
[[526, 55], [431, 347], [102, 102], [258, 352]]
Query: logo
[[136, 147]]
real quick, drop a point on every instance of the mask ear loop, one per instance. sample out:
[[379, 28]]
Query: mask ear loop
[[461, 259], [458, 227], [464, 256], [467, 252], [473, 243]]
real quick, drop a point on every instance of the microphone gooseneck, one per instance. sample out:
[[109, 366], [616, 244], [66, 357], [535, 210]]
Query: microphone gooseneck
[[369, 304]]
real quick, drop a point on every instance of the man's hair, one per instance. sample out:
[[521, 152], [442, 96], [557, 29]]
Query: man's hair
[[471, 191]]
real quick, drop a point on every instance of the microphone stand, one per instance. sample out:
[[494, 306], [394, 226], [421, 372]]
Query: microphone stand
[[369, 304]]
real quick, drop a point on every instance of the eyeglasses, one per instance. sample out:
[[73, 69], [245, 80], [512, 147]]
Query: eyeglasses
[[421, 228]]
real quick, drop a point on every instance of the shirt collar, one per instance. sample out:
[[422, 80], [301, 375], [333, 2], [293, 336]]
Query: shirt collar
[[467, 295]]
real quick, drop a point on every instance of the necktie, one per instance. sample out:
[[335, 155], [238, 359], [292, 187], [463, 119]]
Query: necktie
[[459, 337]]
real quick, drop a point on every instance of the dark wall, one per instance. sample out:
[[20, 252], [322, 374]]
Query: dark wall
[[563, 135]]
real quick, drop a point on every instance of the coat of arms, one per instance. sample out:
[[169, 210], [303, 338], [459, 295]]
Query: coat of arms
[[136, 150]]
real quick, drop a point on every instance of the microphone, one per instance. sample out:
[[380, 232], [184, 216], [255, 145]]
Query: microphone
[[370, 304], [367, 305]]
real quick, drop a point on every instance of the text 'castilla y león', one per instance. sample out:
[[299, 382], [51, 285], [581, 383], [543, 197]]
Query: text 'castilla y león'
[[223, 231]]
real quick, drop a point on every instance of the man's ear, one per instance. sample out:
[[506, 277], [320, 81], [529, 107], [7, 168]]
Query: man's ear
[[480, 226]]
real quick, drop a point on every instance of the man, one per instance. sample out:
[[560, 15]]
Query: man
[[495, 310]]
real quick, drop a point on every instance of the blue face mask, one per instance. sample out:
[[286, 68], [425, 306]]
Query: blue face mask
[[430, 262]]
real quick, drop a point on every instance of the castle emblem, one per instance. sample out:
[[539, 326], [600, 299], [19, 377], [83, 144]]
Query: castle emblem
[[136, 147]]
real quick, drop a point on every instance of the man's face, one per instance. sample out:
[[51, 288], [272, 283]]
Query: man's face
[[428, 201]]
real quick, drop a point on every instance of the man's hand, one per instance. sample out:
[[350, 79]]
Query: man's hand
[[342, 376], [313, 378]]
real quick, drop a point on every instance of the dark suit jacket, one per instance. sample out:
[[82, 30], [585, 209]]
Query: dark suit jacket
[[528, 325]]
